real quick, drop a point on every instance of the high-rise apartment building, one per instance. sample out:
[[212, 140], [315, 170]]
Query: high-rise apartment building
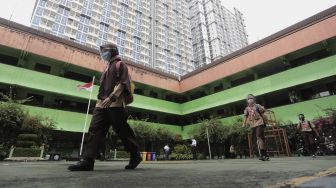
[[216, 31], [153, 33]]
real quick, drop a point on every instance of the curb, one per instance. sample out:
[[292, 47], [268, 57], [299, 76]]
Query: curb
[[301, 180]]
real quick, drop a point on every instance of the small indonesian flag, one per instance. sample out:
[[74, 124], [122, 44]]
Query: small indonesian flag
[[87, 86]]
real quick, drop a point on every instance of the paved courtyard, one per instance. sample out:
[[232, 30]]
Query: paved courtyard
[[279, 172]]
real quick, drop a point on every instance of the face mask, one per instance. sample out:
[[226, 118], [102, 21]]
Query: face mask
[[250, 101], [106, 55]]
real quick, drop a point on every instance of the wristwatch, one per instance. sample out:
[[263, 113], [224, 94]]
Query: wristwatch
[[113, 98]]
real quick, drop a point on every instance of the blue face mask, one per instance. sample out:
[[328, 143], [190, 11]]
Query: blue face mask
[[106, 55]]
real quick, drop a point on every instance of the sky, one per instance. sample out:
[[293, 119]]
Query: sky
[[262, 17]]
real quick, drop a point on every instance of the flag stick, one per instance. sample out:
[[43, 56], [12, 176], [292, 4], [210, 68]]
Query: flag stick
[[207, 133], [87, 114]]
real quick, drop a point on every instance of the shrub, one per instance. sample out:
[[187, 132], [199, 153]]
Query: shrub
[[120, 155], [28, 137], [25, 144], [181, 152], [26, 140], [26, 152], [3, 153], [11, 119], [39, 126], [151, 138], [218, 135]]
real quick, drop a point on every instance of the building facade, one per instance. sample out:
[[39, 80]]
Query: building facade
[[217, 31], [149, 32], [290, 72]]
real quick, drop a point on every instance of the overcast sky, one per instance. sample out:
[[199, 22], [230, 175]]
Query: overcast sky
[[262, 17]]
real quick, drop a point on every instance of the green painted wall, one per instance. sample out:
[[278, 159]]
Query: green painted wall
[[55, 84], [303, 74], [311, 109], [45, 82], [73, 121], [41, 81], [158, 105]]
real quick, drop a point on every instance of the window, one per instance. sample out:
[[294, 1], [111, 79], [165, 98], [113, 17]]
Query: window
[[278, 98], [36, 99], [310, 58], [77, 76], [86, 29], [42, 3], [8, 59], [3, 91], [218, 88], [55, 27], [61, 29], [138, 91], [153, 94], [243, 80], [71, 105], [39, 11], [58, 18], [36, 20], [64, 20], [42, 68]]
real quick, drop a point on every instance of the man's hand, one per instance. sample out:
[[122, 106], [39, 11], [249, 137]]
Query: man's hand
[[108, 101]]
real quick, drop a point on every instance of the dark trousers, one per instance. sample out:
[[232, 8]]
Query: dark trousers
[[193, 151], [259, 138], [308, 138], [101, 121], [167, 155]]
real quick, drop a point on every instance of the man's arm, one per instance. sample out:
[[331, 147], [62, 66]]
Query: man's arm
[[245, 121], [314, 129], [245, 118], [117, 90], [261, 109], [298, 127]]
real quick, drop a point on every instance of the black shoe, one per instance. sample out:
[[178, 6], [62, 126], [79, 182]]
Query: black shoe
[[134, 162], [263, 158], [82, 165]]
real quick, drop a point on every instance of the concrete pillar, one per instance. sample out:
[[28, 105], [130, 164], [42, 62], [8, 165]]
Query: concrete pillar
[[256, 76], [21, 63], [226, 84]]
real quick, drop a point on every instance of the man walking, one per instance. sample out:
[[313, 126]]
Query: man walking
[[110, 110], [232, 152], [193, 148], [254, 116], [308, 132], [166, 149]]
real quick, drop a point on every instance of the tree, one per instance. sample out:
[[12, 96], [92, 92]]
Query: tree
[[162, 137], [12, 116], [153, 138], [14, 119], [143, 132], [218, 133], [238, 135], [39, 125]]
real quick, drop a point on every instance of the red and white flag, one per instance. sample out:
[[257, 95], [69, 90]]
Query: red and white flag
[[87, 86]]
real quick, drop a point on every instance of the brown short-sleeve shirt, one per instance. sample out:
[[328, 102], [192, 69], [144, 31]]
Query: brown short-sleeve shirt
[[306, 126], [254, 118]]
